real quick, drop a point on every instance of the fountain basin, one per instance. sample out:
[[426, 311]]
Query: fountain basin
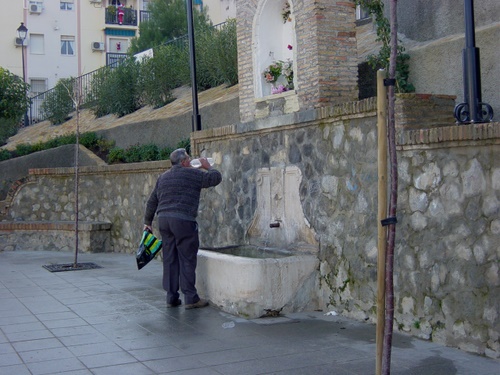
[[252, 282]]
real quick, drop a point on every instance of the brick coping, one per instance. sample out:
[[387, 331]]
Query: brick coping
[[455, 133]]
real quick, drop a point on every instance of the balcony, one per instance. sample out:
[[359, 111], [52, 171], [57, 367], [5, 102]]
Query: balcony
[[113, 58], [114, 17]]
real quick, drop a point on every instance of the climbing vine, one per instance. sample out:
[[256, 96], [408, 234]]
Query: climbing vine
[[376, 8]]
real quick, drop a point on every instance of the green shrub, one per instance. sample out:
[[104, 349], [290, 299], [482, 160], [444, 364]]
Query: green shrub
[[104, 145], [168, 69], [89, 140], [5, 154], [13, 99], [149, 152], [117, 90], [186, 144], [227, 52], [39, 146], [116, 155], [133, 154], [68, 139], [8, 128], [165, 153], [23, 149], [217, 56], [53, 143], [101, 93], [58, 103]]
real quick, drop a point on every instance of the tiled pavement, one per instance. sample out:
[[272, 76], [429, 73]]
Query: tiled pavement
[[113, 320]]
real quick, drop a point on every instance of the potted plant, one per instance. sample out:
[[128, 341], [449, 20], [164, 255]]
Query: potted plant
[[276, 70]]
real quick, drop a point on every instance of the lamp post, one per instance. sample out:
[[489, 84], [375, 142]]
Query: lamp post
[[473, 110], [196, 118], [22, 32]]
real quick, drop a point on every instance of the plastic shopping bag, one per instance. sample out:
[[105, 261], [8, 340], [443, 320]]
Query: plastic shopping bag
[[148, 248]]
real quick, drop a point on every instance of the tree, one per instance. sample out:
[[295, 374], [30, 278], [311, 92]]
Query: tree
[[13, 103], [168, 20], [393, 201]]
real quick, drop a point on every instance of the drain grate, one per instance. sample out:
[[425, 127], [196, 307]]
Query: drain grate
[[70, 267]]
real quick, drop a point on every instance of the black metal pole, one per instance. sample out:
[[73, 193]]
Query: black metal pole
[[26, 120], [472, 79], [473, 109], [196, 118]]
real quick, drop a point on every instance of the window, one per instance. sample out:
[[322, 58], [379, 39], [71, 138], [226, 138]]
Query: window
[[67, 45], [38, 86], [37, 44], [361, 13], [67, 5]]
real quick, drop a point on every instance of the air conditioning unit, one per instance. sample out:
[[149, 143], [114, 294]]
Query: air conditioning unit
[[97, 46], [19, 42], [35, 8]]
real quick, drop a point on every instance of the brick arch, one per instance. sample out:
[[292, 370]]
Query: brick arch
[[14, 189], [271, 38]]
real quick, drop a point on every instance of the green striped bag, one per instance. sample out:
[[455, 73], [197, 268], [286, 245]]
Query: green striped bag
[[148, 248]]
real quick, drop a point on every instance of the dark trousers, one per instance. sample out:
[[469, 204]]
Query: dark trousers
[[180, 248]]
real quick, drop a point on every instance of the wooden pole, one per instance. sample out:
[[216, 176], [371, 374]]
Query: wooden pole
[[382, 211]]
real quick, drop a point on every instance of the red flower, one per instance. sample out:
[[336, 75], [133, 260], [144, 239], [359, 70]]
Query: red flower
[[289, 47]]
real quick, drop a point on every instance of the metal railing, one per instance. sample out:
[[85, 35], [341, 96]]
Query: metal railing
[[123, 16], [113, 58], [87, 81]]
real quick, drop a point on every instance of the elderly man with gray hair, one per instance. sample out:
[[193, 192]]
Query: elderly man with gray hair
[[175, 199]]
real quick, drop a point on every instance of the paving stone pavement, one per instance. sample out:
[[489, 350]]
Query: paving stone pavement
[[114, 320]]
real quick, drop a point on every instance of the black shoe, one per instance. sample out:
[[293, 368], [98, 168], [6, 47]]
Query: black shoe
[[197, 305], [176, 303]]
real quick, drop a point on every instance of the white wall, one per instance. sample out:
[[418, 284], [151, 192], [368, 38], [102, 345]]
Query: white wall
[[220, 10]]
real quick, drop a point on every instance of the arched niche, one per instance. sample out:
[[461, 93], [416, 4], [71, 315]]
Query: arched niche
[[274, 40]]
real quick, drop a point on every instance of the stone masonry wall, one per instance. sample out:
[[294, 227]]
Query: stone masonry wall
[[447, 286], [116, 194], [447, 252], [446, 264]]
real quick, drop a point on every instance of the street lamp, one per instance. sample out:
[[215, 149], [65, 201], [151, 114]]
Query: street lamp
[[22, 32], [196, 118]]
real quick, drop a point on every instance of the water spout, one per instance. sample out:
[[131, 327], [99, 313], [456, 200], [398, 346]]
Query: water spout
[[274, 225]]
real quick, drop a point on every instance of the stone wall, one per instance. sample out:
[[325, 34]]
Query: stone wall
[[446, 263], [447, 286], [12, 170], [115, 194], [447, 256]]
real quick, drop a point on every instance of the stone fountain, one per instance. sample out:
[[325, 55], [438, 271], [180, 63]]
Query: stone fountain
[[276, 271]]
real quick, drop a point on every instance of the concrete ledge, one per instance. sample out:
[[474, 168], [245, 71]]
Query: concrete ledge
[[93, 237]]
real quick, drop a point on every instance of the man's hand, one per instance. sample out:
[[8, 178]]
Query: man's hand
[[148, 227], [205, 164]]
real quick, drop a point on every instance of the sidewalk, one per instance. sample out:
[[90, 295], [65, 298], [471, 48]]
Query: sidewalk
[[113, 320]]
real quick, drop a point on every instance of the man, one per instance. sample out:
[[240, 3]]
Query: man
[[175, 199]]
